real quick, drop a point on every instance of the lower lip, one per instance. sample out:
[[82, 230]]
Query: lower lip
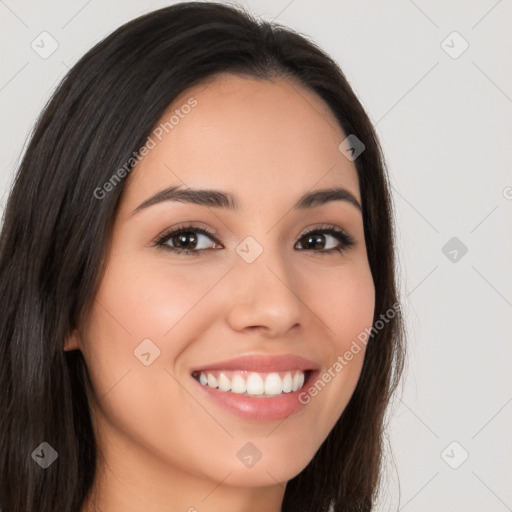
[[257, 408]]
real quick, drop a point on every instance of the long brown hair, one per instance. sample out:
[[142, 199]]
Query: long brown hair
[[56, 231]]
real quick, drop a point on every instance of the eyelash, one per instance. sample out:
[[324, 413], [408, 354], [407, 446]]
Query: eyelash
[[346, 241]]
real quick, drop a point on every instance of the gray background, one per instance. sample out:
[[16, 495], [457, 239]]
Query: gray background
[[445, 126]]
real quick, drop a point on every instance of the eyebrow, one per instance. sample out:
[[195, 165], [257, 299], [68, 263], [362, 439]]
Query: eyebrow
[[221, 199]]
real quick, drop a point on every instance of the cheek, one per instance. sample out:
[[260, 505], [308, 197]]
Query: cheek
[[145, 313], [344, 301], [346, 307], [160, 308], [141, 299], [174, 305]]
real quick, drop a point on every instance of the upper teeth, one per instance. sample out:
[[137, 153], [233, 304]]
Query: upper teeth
[[254, 383]]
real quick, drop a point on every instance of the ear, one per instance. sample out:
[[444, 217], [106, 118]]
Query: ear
[[73, 342]]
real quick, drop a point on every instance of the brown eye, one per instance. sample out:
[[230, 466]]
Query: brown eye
[[187, 240], [324, 240]]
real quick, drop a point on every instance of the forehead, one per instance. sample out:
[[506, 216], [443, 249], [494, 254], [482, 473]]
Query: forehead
[[266, 141]]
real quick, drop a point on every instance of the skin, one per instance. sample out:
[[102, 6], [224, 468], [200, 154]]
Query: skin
[[163, 445]]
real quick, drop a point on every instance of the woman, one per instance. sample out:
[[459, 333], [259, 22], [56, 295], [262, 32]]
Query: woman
[[199, 306]]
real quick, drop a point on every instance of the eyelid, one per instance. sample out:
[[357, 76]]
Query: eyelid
[[348, 240], [183, 227], [322, 227], [343, 237]]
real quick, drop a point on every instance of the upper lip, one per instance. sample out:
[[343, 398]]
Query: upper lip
[[262, 363]]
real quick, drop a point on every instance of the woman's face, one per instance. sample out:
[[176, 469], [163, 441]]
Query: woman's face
[[252, 306]]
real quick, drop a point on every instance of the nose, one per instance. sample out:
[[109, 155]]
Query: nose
[[264, 297]]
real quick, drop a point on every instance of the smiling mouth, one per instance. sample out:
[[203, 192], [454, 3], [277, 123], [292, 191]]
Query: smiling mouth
[[254, 384]]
